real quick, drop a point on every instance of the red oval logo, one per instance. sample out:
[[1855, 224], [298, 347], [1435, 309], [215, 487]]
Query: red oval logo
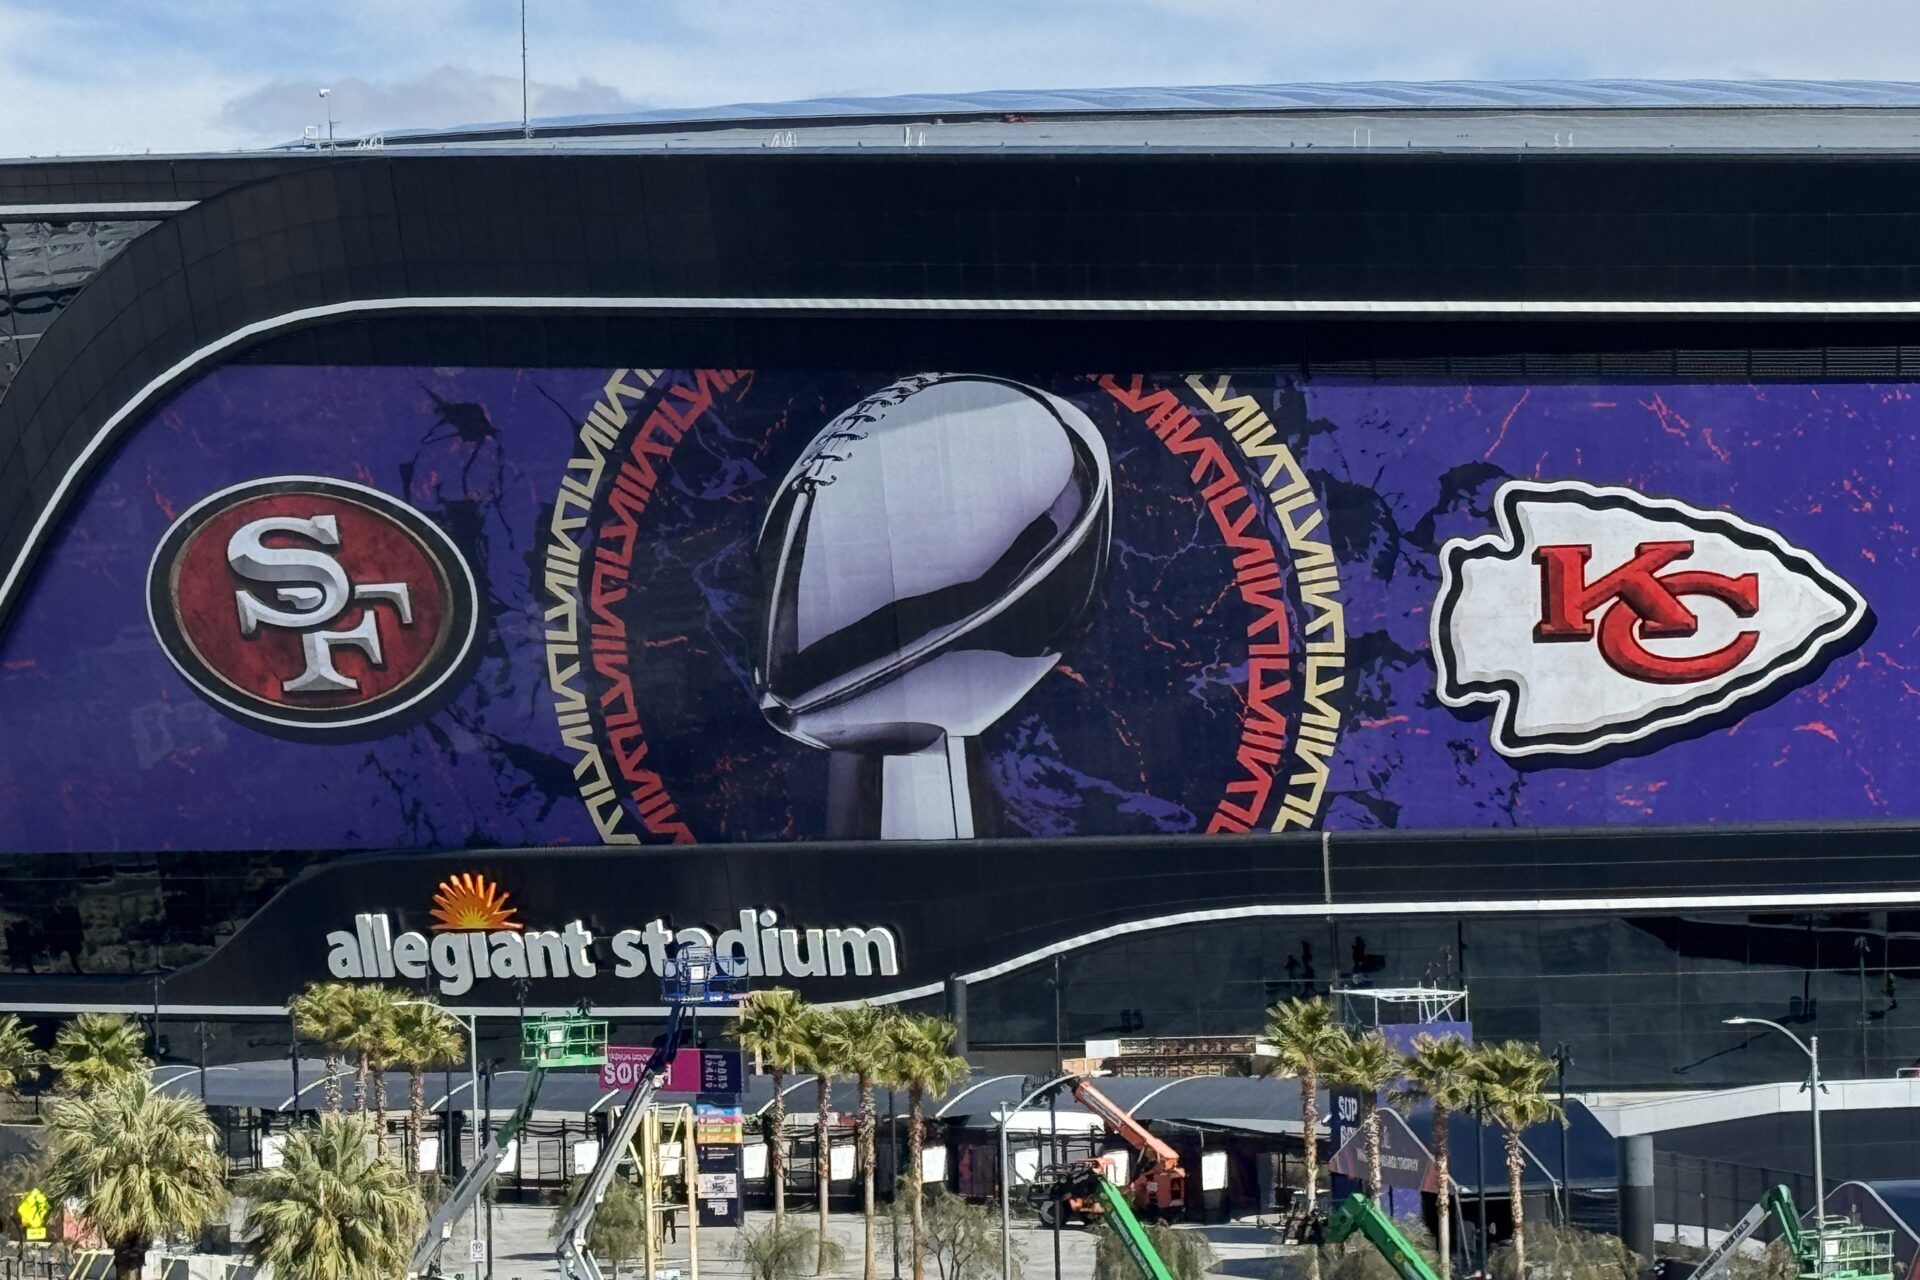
[[311, 603]]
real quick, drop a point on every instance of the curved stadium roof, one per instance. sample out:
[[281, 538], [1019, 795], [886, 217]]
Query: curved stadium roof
[[1365, 96], [1704, 115]]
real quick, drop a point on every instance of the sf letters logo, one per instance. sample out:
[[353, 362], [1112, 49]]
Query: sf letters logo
[[315, 587], [311, 605], [1639, 602]]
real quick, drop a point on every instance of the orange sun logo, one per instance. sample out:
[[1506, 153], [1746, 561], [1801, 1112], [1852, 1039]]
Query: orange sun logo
[[471, 903]]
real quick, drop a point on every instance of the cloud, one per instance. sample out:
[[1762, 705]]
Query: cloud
[[438, 98], [115, 75]]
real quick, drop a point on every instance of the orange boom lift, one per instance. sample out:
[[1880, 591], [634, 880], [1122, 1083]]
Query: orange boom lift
[[1159, 1183]]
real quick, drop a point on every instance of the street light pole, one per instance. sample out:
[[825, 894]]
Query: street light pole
[[893, 1177], [1810, 1047], [1006, 1172], [483, 1198], [1480, 1173], [526, 126], [293, 1052], [1562, 1059], [1053, 1156], [326, 96]]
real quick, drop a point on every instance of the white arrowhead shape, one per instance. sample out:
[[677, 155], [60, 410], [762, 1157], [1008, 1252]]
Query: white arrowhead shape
[[1564, 698]]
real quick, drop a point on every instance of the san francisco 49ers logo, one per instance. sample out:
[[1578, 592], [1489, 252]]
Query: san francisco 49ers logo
[[309, 603], [1599, 617]]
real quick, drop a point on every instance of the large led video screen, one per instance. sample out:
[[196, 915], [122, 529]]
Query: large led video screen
[[379, 608]]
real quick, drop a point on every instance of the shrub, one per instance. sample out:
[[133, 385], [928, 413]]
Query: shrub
[[1357, 1260], [1186, 1254], [1568, 1253], [782, 1250], [963, 1239], [619, 1232]]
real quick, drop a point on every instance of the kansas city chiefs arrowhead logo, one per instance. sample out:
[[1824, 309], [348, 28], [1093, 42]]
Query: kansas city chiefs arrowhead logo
[[1600, 617]]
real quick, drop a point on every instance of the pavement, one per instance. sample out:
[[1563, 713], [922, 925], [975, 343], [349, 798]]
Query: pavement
[[523, 1250]]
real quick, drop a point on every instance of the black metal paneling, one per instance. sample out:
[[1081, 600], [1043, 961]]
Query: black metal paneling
[[313, 233], [136, 179], [962, 905]]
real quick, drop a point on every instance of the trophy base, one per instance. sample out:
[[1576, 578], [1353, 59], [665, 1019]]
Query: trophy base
[[923, 796]]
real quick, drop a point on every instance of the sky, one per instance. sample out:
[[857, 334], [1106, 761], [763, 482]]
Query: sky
[[119, 77]]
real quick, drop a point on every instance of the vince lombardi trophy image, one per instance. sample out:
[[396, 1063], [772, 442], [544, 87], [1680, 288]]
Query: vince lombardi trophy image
[[924, 564]]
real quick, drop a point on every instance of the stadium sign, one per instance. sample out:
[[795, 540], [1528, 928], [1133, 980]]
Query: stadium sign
[[476, 937]]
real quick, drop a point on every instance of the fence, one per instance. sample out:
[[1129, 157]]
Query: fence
[[1698, 1195], [38, 1265]]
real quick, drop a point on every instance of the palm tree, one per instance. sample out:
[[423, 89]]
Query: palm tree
[[95, 1049], [424, 1036], [1304, 1034], [859, 1038], [817, 1049], [369, 1036], [20, 1059], [921, 1060], [1368, 1063], [323, 1013], [1511, 1079], [771, 1026], [1439, 1071], [140, 1164], [337, 1208]]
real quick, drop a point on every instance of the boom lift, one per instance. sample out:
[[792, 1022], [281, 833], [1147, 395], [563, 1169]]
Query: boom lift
[[1158, 1183], [545, 1043], [1357, 1213], [570, 1244], [1852, 1252], [694, 976], [1086, 1182]]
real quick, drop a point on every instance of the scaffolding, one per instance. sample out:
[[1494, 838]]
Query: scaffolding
[[667, 1176], [1391, 1006]]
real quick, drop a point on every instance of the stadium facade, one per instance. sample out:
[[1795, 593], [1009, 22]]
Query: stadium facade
[[1140, 555]]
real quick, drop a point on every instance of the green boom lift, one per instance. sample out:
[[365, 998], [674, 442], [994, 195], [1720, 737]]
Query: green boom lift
[[1357, 1213], [545, 1043], [1087, 1181], [1852, 1252]]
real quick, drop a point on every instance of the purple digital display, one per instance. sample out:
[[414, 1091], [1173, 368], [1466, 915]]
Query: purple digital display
[[368, 608]]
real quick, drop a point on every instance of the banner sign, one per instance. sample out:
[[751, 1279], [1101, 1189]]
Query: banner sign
[[385, 608], [706, 1071], [624, 1066]]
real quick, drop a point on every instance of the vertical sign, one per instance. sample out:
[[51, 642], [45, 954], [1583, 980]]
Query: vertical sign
[[716, 1187], [1343, 1125], [720, 1072], [719, 1128], [714, 1071]]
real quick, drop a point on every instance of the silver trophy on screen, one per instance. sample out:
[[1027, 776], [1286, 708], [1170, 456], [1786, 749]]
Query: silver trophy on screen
[[925, 563]]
